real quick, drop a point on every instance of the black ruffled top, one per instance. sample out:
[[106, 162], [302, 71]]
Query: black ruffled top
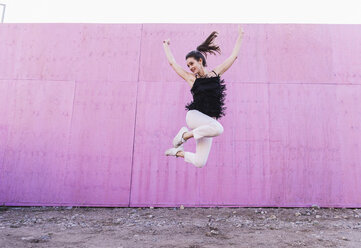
[[208, 96]]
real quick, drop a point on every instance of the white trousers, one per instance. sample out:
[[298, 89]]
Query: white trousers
[[203, 128]]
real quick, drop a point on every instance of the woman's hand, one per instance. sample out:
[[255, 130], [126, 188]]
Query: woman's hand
[[167, 41], [240, 30]]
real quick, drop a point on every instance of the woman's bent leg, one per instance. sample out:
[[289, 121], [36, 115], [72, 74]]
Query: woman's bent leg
[[203, 125], [203, 147], [203, 128]]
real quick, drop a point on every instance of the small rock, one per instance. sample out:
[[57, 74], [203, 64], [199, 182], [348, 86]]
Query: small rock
[[70, 207], [150, 216], [272, 217], [315, 206], [181, 207], [46, 237], [151, 207], [346, 239], [117, 221], [212, 232], [27, 238], [297, 213], [318, 216], [74, 216]]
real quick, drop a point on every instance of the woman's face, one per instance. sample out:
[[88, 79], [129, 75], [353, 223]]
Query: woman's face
[[194, 65]]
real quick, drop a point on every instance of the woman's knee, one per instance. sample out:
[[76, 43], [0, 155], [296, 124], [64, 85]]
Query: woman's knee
[[221, 129], [218, 128], [199, 162]]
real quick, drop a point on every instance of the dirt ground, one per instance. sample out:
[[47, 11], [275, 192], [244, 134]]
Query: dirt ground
[[177, 227]]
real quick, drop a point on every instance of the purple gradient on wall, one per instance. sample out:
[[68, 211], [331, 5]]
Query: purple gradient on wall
[[87, 111]]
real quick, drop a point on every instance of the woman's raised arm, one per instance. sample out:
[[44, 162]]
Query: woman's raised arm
[[168, 53], [229, 61], [187, 76]]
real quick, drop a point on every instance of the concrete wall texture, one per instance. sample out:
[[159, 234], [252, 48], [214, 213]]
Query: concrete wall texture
[[87, 111]]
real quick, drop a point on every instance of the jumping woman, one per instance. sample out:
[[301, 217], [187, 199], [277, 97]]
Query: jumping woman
[[208, 91]]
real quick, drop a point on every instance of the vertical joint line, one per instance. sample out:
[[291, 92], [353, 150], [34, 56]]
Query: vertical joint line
[[135, 117]]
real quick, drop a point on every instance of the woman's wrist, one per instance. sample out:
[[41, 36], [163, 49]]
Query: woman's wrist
[[166, 42]]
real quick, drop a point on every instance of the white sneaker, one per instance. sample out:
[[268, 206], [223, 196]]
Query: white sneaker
[[178, 139], [173, 151]]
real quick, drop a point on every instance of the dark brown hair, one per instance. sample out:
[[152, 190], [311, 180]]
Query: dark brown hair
[[206, 47]]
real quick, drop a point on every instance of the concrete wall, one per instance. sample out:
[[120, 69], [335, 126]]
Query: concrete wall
[[87, 111]]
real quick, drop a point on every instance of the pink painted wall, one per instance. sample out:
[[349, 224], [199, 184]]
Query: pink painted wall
[[87, 111]]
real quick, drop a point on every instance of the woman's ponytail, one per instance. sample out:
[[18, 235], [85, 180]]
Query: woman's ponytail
[[208, 47]]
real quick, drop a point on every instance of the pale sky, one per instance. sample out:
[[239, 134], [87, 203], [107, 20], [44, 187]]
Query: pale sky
[[182, 11]]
